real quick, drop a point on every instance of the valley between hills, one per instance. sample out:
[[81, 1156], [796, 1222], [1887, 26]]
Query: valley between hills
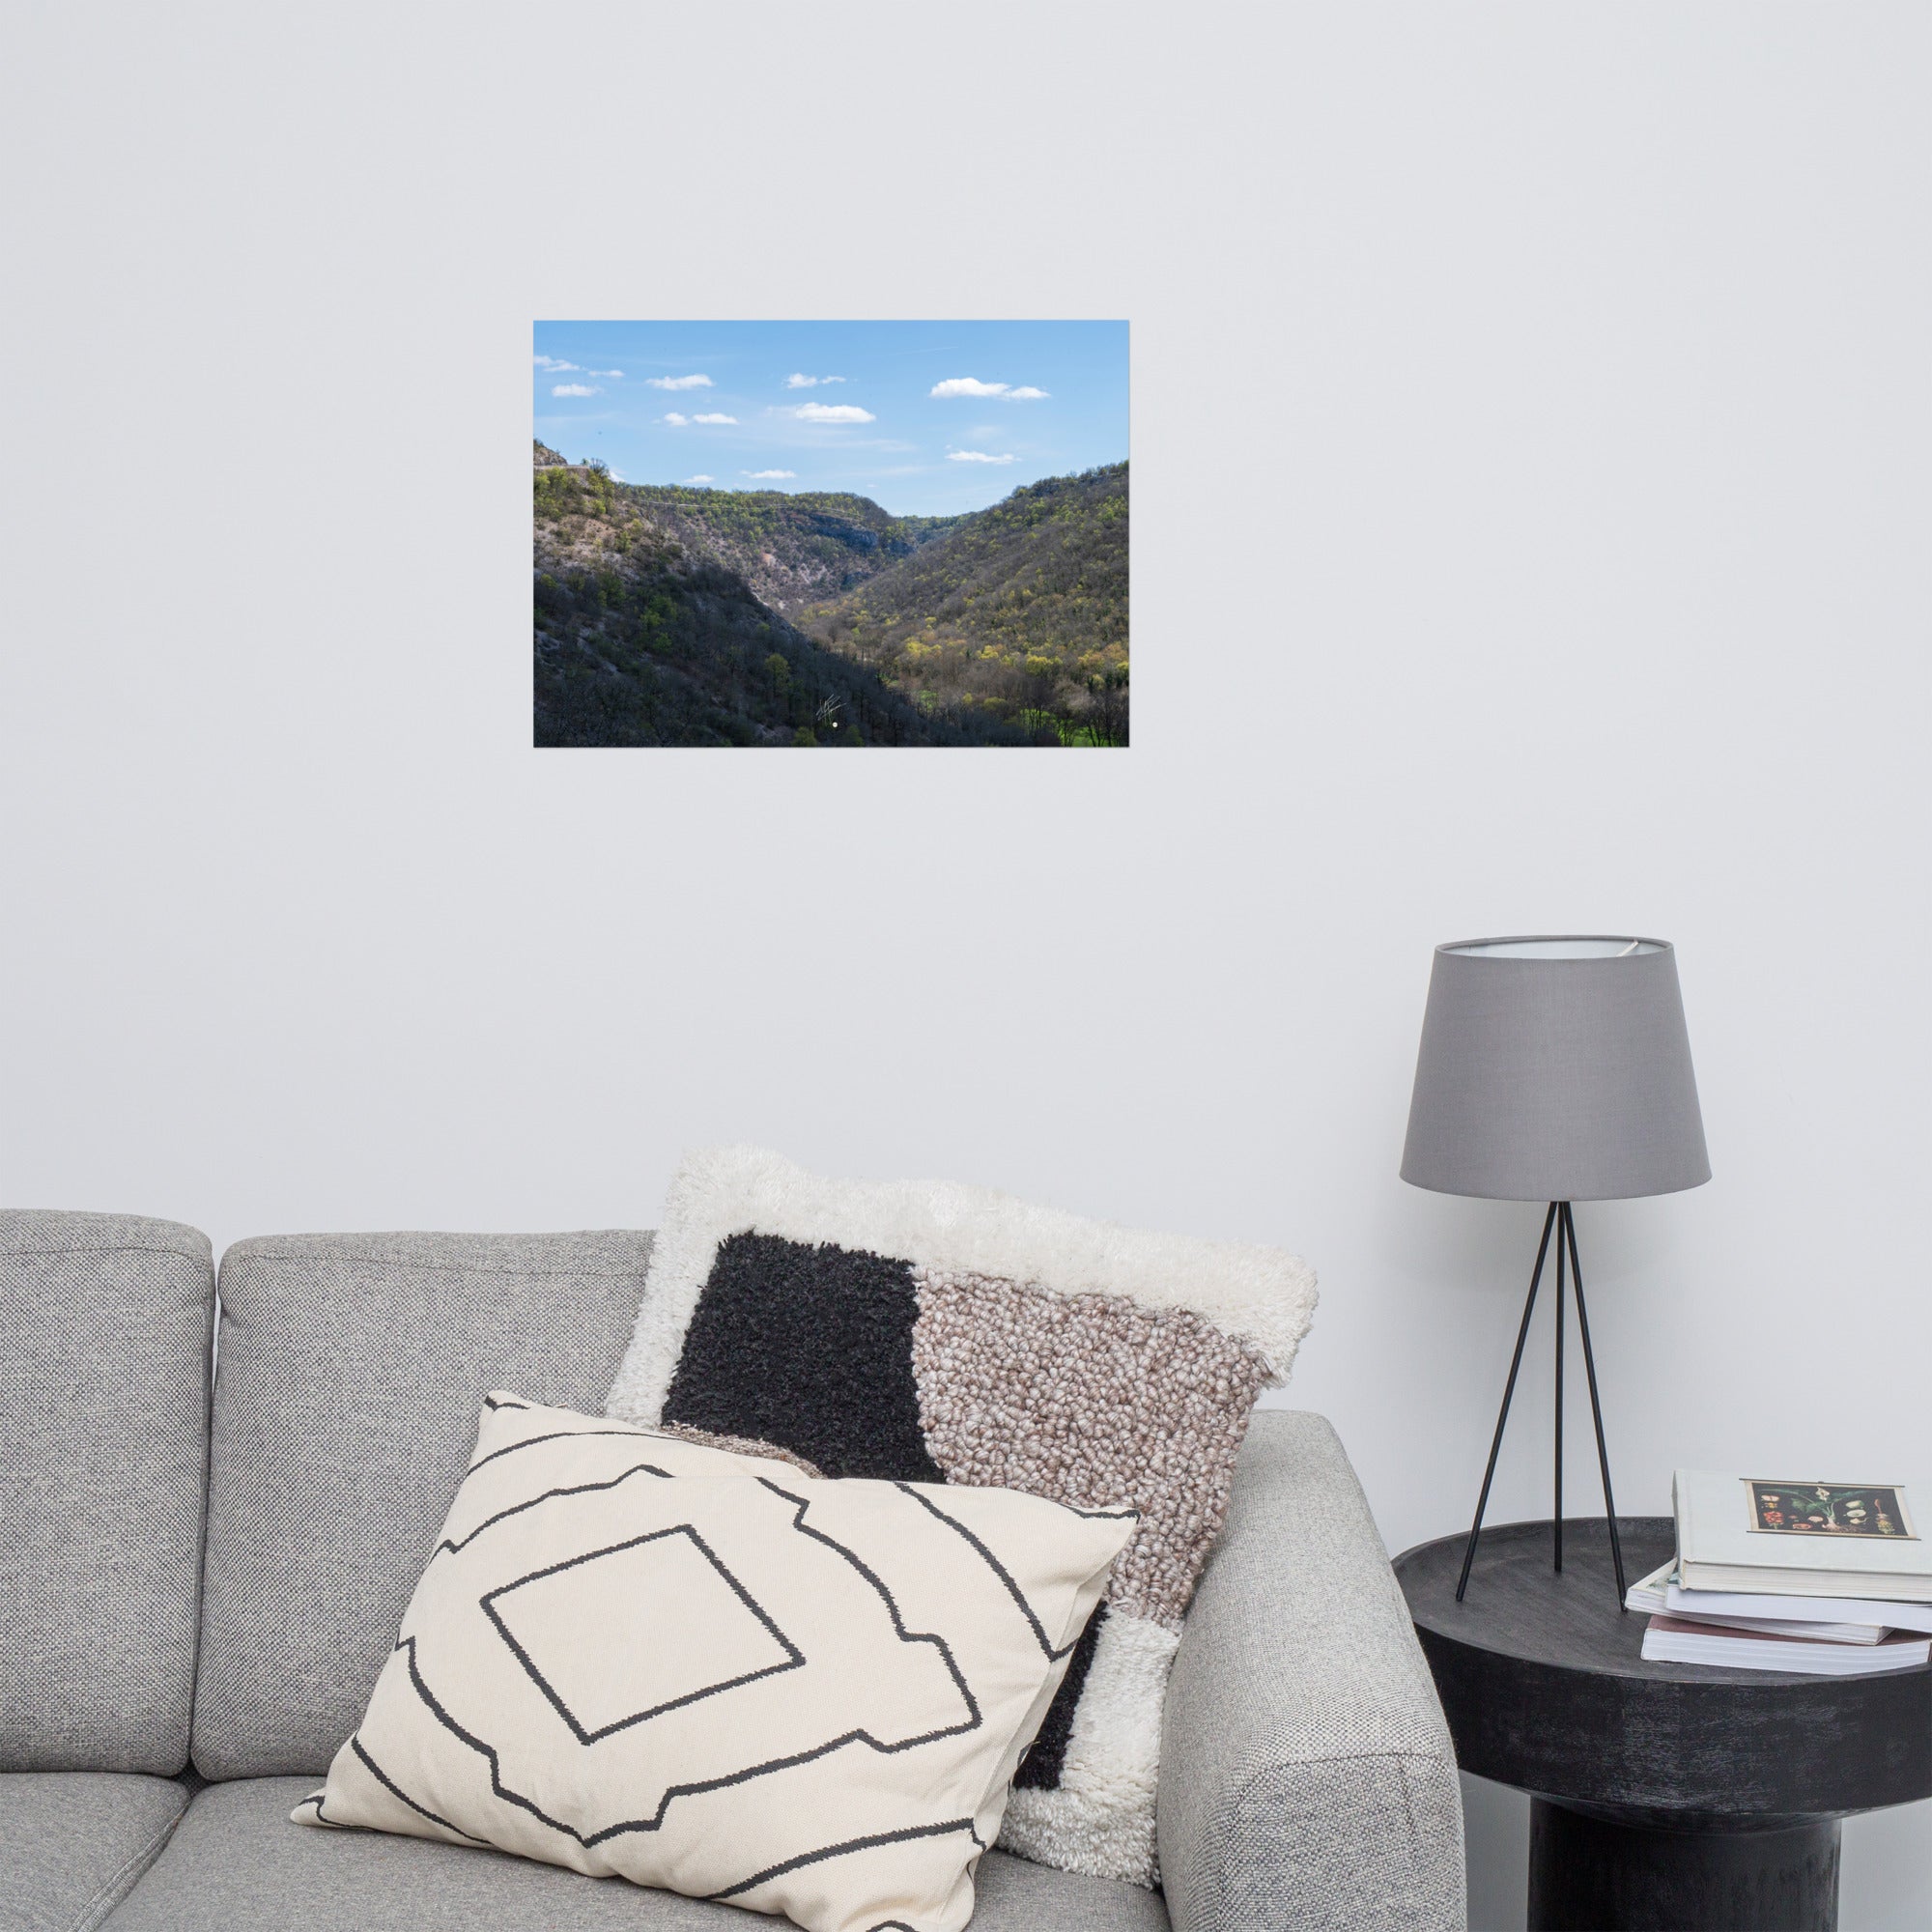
[[681, 615]]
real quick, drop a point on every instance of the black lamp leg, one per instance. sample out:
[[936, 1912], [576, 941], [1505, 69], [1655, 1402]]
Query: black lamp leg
[[1569, 1221], [1562, 1313], [1509, 1389]]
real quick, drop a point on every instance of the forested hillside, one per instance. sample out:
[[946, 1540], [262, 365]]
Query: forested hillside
[[688, 615], [643, 638], [1020, 610]]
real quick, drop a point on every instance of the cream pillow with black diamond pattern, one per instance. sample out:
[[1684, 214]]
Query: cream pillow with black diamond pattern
[[641, 1656]]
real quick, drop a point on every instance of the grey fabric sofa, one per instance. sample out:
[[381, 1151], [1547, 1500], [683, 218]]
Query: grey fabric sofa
[[200, 1574]]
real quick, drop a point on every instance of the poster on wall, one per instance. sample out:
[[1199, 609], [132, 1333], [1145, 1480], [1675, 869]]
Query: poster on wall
[[831, 534]]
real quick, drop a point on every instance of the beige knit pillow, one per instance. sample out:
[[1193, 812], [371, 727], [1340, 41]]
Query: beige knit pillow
[[636, 1655]]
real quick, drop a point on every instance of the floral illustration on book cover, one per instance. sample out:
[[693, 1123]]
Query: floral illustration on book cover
[[1828, 1509]]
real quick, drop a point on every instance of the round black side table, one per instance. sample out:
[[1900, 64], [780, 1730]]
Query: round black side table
[[1670, 1797]]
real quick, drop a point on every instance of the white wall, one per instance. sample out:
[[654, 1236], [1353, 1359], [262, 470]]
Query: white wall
[[1531, 508]]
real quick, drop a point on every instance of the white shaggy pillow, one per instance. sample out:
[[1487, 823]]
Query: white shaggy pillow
[[638, 1655], [928, 1332]]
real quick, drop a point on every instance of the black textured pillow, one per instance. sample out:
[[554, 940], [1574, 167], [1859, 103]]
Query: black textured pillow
[[927, 1332]]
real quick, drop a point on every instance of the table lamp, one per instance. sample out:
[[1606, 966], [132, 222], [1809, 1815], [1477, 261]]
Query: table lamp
[[1554, 1069]]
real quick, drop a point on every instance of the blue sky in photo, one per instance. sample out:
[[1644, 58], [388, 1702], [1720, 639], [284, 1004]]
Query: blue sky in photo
[[927, 418]]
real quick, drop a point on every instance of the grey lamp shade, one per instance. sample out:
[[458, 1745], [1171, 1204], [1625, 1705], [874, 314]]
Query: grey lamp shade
[[1555, 1070]]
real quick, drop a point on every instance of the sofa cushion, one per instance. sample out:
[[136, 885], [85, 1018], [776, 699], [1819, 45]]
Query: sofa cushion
[[351, 1368], [72, 1842], [103, 1410], [237, 1865]]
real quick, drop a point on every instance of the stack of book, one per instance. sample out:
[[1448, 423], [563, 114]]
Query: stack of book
[[1827, 1579]]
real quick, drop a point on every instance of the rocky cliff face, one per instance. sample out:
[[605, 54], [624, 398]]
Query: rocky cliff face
[[546, 458], [790, 549]]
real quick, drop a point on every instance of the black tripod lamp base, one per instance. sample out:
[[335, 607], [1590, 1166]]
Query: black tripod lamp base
[[1562, 1224]]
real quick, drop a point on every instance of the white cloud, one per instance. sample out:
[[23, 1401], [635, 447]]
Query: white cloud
[[679, 382], [615, 375], [573, 390], [675, 421], [700, 479], [832, 412], [714, 417], [809, 381], [970, 385], [975, 456], [767, 476], [552, 365]]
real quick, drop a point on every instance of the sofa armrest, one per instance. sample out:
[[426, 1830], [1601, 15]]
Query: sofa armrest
[[1307, 1779]]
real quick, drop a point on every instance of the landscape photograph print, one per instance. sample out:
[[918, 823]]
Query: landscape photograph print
[[815, 535]]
